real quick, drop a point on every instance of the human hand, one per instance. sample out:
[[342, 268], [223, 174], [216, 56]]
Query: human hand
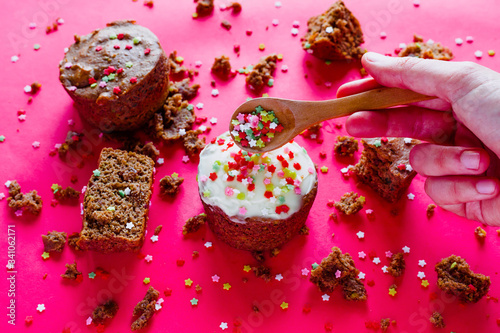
[[461, 160]]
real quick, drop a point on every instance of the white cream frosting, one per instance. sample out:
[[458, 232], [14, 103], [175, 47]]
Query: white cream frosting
[[235, 198]]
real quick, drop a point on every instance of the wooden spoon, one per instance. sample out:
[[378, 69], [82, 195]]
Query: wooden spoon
[[297, 116]]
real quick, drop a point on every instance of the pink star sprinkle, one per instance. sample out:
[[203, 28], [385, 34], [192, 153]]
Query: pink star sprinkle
[[148, 258], [361, 255], [88, 321], [215, 278], [388, 254], [185, 159], [305, 271], [243, 210], [19, 212], [229, 191], [203, 178], [338, 274]]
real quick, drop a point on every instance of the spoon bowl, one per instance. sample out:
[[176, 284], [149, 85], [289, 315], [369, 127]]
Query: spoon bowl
[[296, 116]]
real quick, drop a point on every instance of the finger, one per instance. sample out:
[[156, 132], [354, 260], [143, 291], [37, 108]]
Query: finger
[[434, 104], [435, 160], [485, 211], [450, 190], [464, 137], [410, 121]]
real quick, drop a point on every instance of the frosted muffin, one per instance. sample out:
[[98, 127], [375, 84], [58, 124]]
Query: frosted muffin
[[256, 202]]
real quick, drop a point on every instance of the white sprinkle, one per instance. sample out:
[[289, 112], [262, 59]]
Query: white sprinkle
[[213, 121], [459, 41], [362, 255], [383, 35], [469, 39], [360, 234], [14, 58], [294, 31], [199, 106], [406, 249], [325, 297], [411, 196], [421, 275], [329, 29], [182, 132], [408, 140], [277, 4], [40, 308], [422, 263], [154, 238], [279, 277], [2, 196], [430, 41], [185, 158], [361, 276], [376, 260], [66, 49], [36, 144], [265, 211], [208, 245], [416, 3], [60, 21], [478, 54], [215, 92], [7, 183], [344, 170], [22, 117], [384, 269], [409, 168], [32, 25], [223, 326], [369, 211], [284, 69], [272, 199], [402, 45], [148, 258], [276, 22], [27, 89], [160, 161], [129, 225], [88, 321], [157, 307], [296, 24], [126, 191]]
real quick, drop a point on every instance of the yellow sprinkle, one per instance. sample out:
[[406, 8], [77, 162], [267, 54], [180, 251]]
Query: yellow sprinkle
[[425, 283], [324, 169], [45, 255], [491, 53], [262, 47], [247, 268], [188, 282], [392, 291], [226, 286], [146, 280], [284, 305]]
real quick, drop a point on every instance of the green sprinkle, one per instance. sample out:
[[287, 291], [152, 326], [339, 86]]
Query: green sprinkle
[[259, 108], [328, 62], [195, 15], [111, 76], [241, 196], [146, 280], [97, 173], [314, 265], [248, 99], [377, 143], [281, 199], [111, 208], [206, 194], [121, 193], [113, 36], [36, 46], [55, 188], [92, 275], [105, 78], [179, 59], [2, 138], [129, 64], [190, 107], [93, 85], [280, 56], [307, 46], [453, 265], [270, 83], [136, 40], [241, 70], [175, 175]]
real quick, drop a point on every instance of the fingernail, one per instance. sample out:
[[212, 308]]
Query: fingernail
[[374, 57], [470, 159], [486, 186]]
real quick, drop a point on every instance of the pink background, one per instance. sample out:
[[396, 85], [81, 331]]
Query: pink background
[[69, 304]]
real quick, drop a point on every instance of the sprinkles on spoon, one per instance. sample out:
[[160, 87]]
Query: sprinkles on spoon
[[257, 128]]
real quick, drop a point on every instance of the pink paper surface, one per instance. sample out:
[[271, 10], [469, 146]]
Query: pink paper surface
[[68, 304]]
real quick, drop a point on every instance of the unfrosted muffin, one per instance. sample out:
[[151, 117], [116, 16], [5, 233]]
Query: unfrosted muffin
[[256, 202], [117, 76]]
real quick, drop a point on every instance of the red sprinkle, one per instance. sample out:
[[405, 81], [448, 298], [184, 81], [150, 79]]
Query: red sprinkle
[[180, 262], [401, 167], [271, 168], [119, 71], [147, 51], [268, 194], [297, 166], [92, 80], [384, 139], [249, 32], [117, 90], [120, 36], [98, 48], [117, 47], [133, 79], [213, 176], [168, 292], [128, 47], [282, 209], [28, 320]]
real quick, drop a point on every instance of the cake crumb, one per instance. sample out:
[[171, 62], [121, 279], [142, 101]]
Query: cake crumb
[[437, 320], [262, 272], [54, 241], [429, 50], [384, 324], [72, 272], [170, 185], [158, 230], [104, 312], [397, 265], [222, 67], [194, 224], [262, 73], [350, 203], [204, 7], [71, 143], [430, 210], [480, 233], [145, 309], [61, 193], [346, 146], [192, 143], [187, 91], [259, 256], [19, 201], [73, 241]]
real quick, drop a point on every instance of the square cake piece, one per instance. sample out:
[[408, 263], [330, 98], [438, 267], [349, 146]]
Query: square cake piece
[[384, 166], [116, 203]]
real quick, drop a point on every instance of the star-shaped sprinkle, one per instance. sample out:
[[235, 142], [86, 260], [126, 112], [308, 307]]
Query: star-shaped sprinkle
[[362, 255], [14, 58], [338, 274], [194, 302], [208, 245], [45, 255], [182, 132], [360, 234], [92, 275], [199, 106], [425, 283], [188, 282], [284, 305], [392, 292], [215, 92], [305, 272], [422, 263], [325, 297], [154, 238], [278, 277], [226, 286], [146, 280], [411, 196], [247, 268], [19, 212], [160, 161], [213, 120], [215, 278], [407, 140], [129, 225], [361, 276], [384, 269], [88, 321], [376, 260], [388, 254], [36, 144], [324, 169], [421, 275], [157, 306], [40, 307], [406, 249], [185, 158], [148, 258], [223, 326]]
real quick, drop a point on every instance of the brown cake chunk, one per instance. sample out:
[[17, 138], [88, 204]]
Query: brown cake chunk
[[334, 35], [104, 311], [17, 200], [54, 241], [184, 88], [345, 146], [193, 144], [71, 272], [480, 233], [397, 265], [147, 149], [71, 142], [262, 72], [204, 7], [429, 50], [61, 193], [169, 185], [324, 275], [236, 7], [430, 210], [177, 70], [350, 203], [194, 224], [176, 115], [384, 166], [116, 203], [384, 324], [437, 320], [455, 277], [73, 241], [145, 309], [263, 272], [222, 67]]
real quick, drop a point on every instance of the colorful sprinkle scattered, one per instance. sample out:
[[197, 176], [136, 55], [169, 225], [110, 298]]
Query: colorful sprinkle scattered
[[255, 129]]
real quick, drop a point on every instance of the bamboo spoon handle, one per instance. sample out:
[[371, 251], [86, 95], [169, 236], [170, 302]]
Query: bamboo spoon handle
[[375, 99]]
